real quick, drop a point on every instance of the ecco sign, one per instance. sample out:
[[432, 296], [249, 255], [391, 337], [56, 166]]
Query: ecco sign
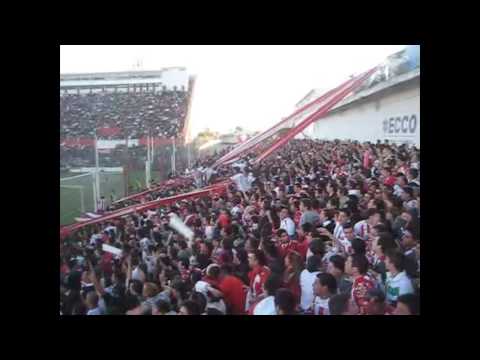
[[400, 125]]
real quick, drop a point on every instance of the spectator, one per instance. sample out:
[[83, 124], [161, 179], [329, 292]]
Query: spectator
[[381, 244], [409, 201], [327, 219], [362, 228], [164, 258], [343, 218], [190, 307], [412, 176], [258, 275], [285, 243], [400, 185], [357, 267], [92, 304], [319, 246], [286, 223], [389, 179], [376, 303], [233, 291], [358, 246], [266, 306], [324, 288], [285, 302], [349, 236], [336, 267], [242, 181], [342, 304], [397, 282], [407, 304], [116, 115], [409, 244], [307, 278], [291, 276], [162, 307], [308, 215]]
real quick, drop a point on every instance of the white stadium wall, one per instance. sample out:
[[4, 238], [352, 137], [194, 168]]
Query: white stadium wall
[[169, 77], [393, 115]]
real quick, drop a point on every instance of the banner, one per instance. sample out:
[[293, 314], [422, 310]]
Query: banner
[[216, 189]]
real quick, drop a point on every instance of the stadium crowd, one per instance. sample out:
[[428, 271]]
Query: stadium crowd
[[122, 114], [320, 227]]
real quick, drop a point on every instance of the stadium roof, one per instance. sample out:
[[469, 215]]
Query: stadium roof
[[376, 89], [170, 77], [117, 74], [395, 81]]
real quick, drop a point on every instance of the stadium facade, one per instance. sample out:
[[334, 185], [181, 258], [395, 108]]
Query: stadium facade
[[125, 81], [385, 109]]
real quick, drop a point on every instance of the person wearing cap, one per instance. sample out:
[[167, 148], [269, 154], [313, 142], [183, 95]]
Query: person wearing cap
[[376, 303]]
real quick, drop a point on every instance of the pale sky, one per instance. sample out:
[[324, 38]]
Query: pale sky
[[252, 86]]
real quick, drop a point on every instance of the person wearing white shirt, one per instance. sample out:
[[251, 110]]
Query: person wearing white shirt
[[93, 239], [241, 164], [397, 282], [145, 242], [363, 227], [92, 304], [338, 232], [266, 306], [208, 174], [286, 223], [241, 180], [307, 279]]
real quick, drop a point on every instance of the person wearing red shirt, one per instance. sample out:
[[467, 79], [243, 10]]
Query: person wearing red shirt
[[257, 277], [367, 159], [357, 266], [389, 179], [295, 209], [304, 239], [233, 289], [224, 219], [285, 244]]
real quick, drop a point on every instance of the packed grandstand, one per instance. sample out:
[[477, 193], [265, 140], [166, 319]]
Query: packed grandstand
[[278, 225]]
